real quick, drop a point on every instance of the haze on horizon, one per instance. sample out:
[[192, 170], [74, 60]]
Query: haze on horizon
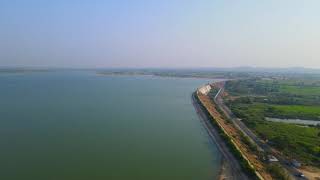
[[167, 33]]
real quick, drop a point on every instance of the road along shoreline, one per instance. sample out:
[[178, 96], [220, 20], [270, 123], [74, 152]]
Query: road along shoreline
[[230, 167]]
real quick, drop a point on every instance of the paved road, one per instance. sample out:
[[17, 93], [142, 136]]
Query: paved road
[[242, 127], [235, 170]]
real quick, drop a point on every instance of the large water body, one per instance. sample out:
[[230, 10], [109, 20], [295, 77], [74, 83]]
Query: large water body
[[82, 126]]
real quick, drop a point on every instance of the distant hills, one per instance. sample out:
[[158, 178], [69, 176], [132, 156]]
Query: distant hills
[[272, 70], [244, 69]]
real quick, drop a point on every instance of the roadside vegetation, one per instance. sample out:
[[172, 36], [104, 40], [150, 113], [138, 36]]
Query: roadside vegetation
[[277, 172], [234, 150], [286, 98]]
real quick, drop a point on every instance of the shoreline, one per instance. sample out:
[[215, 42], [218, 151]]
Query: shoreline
[[229, 166], [222, 163], [162, 76]]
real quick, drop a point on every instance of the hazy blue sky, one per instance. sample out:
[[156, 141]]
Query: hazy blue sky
[[160, 33]]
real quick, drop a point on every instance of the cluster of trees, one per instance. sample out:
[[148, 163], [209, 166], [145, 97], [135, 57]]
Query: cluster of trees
[[291, 113], [251, 87], [261, 110], [253, 147], [275, 92], [277, 172]]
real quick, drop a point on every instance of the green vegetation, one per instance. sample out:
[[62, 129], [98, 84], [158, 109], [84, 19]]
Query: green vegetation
[[220, 73], [277, 111], [277, 172], [243, 162], [256, 99], [278, 92], [300, 89], [295, 111], [251, 87], [245, 139], [296, 142]]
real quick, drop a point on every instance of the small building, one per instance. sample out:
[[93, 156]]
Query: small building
[[271, 158], [205, 89]]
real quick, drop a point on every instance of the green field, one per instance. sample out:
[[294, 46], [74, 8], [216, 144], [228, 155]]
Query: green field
[[301, 90], [298, 142], [302, 143], [285, 99], [296, 111]]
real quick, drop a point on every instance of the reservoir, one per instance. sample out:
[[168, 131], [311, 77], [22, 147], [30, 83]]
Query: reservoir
[[77, 125]]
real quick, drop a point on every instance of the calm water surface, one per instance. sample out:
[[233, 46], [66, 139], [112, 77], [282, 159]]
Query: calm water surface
[[77, 125]]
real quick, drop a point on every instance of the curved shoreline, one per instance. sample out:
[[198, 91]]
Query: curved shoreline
[[229, 167], [212, 139]]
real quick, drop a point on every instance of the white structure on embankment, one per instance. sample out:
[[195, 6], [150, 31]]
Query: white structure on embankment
[[205, 89]]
